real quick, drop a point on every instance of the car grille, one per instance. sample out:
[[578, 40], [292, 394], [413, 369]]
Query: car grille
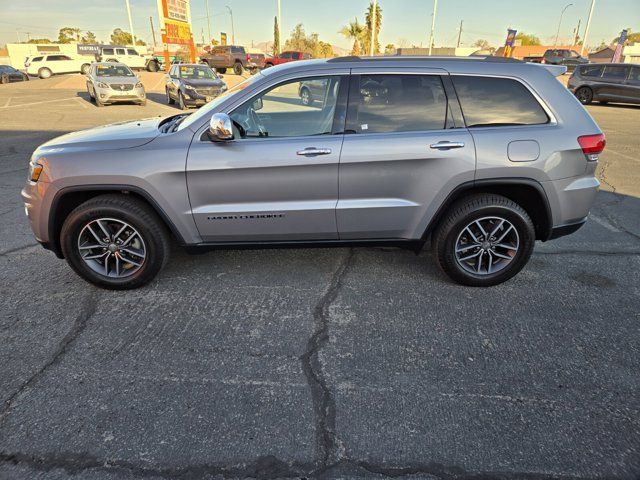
[[210, 92], [123, 87]]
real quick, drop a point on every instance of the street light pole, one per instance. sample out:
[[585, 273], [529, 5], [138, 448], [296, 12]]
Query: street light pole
[[206, 6], [433, 25], [133, 36], [586, 30], [560, 22], [233, 31], [279, 25]]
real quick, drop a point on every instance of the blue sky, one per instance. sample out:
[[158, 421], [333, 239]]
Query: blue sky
[[404, 21]]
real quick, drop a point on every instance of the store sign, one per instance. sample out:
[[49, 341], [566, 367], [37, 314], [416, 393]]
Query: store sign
[[178, 33], [223, 38], [88, 49], [510, 42], [175, 25]]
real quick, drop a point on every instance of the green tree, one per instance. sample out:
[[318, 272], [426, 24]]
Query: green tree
[[631, 38], [311, 44], [68, 35], [39, 40], [482, 44], [276, 36], [120, 37], [366, 35], [354, 31], [390, 49], [528, 39], [325, 50], [89, 37]]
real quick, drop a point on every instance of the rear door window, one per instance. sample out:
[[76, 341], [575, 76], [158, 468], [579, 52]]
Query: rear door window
[[497, 102], [634, 76], [612, 72], [398, 103], [120, 51], [107, 51], [131, 51]]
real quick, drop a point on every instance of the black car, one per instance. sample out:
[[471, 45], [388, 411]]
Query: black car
[[606, 82], [192, 85], [561, 56], [9, 74]]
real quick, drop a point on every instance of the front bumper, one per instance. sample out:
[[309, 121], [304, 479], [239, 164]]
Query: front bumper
[[194, 97], [109, 95]]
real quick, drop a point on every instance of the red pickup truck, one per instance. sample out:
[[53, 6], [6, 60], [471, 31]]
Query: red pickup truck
[[285, 57]]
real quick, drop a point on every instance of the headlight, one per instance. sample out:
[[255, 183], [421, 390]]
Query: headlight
[[189, 87], [224, 88], [35, 169], [139, 85], [102, 85]]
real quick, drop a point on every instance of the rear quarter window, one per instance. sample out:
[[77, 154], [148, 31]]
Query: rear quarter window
[[616, 72], [37, 59], [496, 102]]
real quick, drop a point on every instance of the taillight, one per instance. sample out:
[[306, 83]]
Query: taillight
[[248, 57], [592, 145], [544, 60]]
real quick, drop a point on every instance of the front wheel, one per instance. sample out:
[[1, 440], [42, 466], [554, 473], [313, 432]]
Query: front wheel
[[153, 67], [181, 101], [484, 240], [84, 69], [305, 96], [584, 95], [237, 68], [115, 242], [44, 73]]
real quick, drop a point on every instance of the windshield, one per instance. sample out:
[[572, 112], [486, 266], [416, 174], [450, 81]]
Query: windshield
[[197, 72], [207, 110], [113, 71]]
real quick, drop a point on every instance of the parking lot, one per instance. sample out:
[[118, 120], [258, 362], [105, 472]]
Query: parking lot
[[329, 362]]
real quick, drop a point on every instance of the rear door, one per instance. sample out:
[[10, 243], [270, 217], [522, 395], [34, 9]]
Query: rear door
[[403, 152], [632, 86], [613, 82], [278, 179]]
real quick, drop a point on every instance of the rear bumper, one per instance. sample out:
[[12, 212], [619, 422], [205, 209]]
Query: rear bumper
[[562, 230]]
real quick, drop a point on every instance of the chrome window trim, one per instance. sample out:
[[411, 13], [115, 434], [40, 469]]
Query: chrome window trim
[[552, 118]]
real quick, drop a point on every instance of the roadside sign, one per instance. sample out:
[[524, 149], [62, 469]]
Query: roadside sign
[[509, 43], [175, 25], [223, 38], [617, 54]]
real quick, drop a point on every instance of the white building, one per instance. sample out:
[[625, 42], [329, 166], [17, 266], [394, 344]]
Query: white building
[[631, 53]]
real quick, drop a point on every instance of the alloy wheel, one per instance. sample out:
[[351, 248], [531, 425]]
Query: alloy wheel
[[111, 247], [487, 245]]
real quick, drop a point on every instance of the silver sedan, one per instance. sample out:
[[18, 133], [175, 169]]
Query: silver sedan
[[111, 82]]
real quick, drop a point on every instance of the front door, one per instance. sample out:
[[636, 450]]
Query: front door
[[402, 152], [278, 179], [613, 80]]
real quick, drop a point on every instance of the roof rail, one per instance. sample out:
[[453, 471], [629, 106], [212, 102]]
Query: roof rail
[[484, 58]]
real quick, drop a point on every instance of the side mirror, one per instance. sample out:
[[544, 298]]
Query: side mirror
[[257, 104], [220, 129]]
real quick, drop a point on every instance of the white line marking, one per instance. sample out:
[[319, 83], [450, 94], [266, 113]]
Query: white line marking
[[629, 157], [604, 223], [39, 103], [8, 101], [162, 79]]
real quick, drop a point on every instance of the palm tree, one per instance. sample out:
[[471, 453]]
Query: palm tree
[[366, 43], [354, 30]]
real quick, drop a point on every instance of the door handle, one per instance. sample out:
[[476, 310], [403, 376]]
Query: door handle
[[312, 152], [446, 145]]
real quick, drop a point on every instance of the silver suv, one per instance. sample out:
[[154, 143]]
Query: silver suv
[[479, 157]]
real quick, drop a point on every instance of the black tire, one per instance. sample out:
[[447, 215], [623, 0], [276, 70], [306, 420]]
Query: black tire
[[4, 78], [135, 213], [305, 96], [466, 211], [170, 101], [238, 69], [268, 65], [91, 97], [153, 67], [181, 102], [584, 95], [44, 72], [84, 69]]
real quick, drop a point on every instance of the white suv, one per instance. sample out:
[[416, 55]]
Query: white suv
[[129, 56], [46, 65]]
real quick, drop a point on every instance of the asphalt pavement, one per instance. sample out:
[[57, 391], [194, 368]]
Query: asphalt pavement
[[333, 363]]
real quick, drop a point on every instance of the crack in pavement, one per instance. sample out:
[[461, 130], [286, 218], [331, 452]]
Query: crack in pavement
[[17, 249], [329, 448], [88, 309]]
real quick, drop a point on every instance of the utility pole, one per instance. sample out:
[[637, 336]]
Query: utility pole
[[206, 5], [18, 34], [586, 30], [433, 25], [459, 34], [28, 37], [560, 22], [279, 26], [577, 33], [233, 30], [153, 32], [373, 27], [133, 36]]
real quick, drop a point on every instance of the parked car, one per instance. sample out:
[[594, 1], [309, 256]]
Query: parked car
[[129, 56], [192, 85], [311, 91], [223, 57], [606, 82], [461, 153], [46, 65], [109, 82], [559, 56], [286, 57], [9, 74], [257, 59]]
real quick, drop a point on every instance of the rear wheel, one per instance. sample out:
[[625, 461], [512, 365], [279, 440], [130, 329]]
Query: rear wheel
[[153, 66], [181, 102], [44, 72], [4, 78], [84, 69], [584, 95], [484, 240], [268, 65], [305, 96], [115, 242], [238, 68]]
